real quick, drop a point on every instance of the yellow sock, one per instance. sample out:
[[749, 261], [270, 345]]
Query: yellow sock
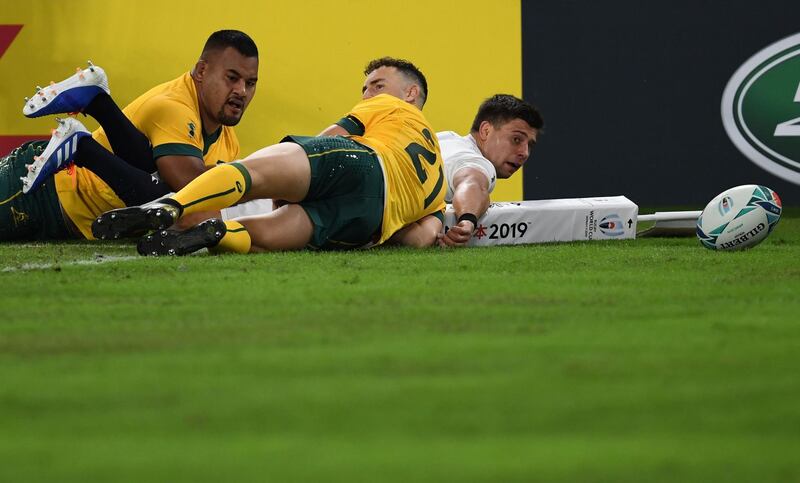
[[217, 188], [236, 239]]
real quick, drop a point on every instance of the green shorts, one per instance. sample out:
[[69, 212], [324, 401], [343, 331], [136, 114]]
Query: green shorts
[[33, 216], [346, 195]]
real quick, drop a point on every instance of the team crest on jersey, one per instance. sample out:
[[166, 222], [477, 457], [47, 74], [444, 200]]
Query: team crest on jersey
[[191, 129]]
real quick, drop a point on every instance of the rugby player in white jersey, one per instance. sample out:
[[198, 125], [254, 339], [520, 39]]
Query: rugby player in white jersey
[[501, 139]]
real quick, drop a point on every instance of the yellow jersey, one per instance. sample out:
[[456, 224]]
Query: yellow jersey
[[169, 115], [410, 156]]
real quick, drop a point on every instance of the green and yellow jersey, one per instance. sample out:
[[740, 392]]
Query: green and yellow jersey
[[409, 152], [169, 115]]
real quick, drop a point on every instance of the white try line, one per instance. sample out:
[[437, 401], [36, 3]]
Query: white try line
[[76, 245], [57, 265]]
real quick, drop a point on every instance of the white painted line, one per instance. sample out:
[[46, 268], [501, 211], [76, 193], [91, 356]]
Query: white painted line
[[49, 266], [77, 245]]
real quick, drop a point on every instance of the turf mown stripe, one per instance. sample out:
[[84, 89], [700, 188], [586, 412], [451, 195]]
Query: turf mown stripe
[[640, 360]]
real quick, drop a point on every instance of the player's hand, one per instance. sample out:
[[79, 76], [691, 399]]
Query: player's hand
[[458, 235]]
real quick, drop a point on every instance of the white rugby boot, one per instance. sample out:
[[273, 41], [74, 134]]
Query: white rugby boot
[[58, 153], [71, 95]]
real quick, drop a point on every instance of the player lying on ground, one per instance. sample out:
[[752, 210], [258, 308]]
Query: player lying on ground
[[503, 133], [180, 129], [501, 139], [376, 174]]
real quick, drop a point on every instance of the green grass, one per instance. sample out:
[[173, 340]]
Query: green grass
[[646, 360]]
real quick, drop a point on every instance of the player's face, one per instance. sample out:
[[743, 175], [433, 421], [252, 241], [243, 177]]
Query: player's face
[[387, 80], [228, 85], [507, 146]]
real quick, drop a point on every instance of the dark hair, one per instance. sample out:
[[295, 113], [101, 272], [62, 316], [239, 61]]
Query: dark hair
[[240, 41], [502, 108], [407, 68]]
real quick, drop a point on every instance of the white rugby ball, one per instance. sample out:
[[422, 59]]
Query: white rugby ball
[[738, 218]]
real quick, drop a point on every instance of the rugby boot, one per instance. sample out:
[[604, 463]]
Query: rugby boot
[[72, 94], [58, 153], [134, 221], [175, 242]]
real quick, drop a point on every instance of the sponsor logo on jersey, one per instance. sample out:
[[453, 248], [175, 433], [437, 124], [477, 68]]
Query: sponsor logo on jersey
[[761, 108], [192, 128]]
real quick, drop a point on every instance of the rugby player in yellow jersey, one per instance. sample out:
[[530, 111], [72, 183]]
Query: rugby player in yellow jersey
[[376, 175], [178, 129]]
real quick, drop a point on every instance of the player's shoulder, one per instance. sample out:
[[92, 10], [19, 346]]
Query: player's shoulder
[[454, 144], [387, 102], [459, 152], [451, 137], [175, 94]]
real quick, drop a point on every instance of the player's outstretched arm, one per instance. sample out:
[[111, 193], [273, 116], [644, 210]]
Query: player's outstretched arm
[[420, 234], [470, 196]]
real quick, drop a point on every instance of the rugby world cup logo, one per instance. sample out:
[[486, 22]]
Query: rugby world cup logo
[[611, 225], [725, 205], [761, 108]]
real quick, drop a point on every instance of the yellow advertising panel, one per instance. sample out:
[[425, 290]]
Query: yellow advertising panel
[[312, 55]]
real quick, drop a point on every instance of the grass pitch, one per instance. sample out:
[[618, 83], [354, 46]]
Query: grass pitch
[[646, 360]]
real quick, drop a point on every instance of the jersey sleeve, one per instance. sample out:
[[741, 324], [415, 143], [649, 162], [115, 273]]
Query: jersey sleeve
[[367, 113], [172, 127], [352, 125], [461, 160]]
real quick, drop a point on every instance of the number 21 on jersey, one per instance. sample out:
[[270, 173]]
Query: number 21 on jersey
[[419, 154]]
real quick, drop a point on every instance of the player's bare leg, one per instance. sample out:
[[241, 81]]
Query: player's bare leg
[[287, 228], [281, 171]]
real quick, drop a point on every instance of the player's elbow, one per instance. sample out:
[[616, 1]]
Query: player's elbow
[[416, 235], [421, 240]]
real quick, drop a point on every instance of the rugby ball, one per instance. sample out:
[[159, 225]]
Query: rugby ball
[[738, 218]]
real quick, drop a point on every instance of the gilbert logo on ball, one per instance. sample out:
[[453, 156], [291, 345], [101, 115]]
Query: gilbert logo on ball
[[752, 213], [761, 108]]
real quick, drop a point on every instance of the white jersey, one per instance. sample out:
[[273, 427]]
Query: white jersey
[[459, 152]]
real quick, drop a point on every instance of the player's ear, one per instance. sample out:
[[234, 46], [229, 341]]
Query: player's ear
[[484, 130], [412, 94], [199, 71]]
